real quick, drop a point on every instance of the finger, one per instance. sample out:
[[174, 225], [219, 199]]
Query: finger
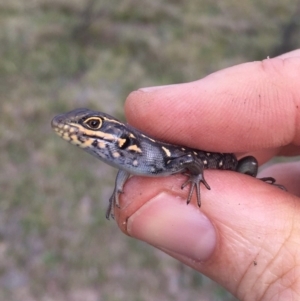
[[294, 53], [255, 104], [242, 232]]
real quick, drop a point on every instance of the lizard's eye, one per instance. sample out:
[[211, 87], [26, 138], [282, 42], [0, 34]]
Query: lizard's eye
[[93, 123]]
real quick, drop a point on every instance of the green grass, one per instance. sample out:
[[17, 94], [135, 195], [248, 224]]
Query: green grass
[[55, 243]]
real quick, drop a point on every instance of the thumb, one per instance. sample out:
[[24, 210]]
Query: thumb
[[243, 236]]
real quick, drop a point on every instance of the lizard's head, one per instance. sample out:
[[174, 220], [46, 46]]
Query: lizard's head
[[83, 126]]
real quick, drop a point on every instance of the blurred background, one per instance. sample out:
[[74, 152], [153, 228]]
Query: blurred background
[[57, 55]]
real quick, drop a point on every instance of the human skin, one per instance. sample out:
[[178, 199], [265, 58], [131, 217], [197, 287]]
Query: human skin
[[246, 235]]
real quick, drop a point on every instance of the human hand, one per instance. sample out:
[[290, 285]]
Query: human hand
[[246, 234]]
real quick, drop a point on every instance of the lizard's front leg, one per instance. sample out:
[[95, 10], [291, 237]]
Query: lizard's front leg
[[121, 178]]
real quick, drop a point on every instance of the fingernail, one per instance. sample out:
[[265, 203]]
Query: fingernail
[[170, 224]]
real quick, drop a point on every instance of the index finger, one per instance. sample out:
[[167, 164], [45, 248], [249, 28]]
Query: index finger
[[247, 107]]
